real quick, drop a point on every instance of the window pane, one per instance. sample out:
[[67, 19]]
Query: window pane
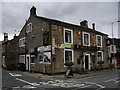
[[32, 60], [86, 39], [67, 36], [99, 56], [99, 41], [68, 55]]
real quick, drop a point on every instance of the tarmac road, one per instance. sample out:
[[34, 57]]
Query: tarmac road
[[12, 80]]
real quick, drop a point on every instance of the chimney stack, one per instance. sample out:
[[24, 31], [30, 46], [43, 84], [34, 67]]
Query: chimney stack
[[5, 37], [93, 26], [33, 11], [84, 23]]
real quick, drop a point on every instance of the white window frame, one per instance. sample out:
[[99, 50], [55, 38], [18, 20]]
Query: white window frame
[[65, 29], [23, 61], [86, 54], [97, 40], [72, 54], [22, 45], [88, 38], [97, 55], [29, 28], [32, 56]]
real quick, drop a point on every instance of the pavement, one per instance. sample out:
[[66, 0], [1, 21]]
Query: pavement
[[76, 76]]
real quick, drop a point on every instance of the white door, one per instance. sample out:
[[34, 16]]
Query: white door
[[87, 62], [27, 62]]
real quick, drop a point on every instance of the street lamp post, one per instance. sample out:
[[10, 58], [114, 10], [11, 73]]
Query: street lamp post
[[113, 42]]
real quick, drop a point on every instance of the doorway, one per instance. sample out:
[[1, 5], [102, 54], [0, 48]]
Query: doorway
[[87, 61]]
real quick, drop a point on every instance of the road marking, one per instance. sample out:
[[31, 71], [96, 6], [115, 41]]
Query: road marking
[[117, 81], [91, 77], [86, 86], [14, 74], [101, 86], [114, 79], [33, 84]]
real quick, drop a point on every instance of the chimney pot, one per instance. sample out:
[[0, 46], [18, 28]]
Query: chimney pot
[[93, 26]]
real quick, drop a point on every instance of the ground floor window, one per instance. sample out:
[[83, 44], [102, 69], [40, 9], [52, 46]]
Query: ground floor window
[[3, 61], [21, 58], [68, 55], [32, 59], [100, 55]]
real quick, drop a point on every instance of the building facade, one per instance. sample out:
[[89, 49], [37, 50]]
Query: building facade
[[46, 44], [10, 51]]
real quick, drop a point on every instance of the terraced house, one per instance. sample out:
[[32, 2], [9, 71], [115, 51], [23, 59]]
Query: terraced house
[[46, 44]]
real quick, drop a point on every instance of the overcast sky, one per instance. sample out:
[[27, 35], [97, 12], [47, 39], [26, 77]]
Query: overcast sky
[[14, 14]]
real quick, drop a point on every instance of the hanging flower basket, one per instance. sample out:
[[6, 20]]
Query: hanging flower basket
[[100, 62], [69, 64]]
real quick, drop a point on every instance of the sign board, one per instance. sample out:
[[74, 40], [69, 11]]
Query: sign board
[[65, 46], [113, 49], [114, 61], [44, 48], [53, 46], [45, 58]]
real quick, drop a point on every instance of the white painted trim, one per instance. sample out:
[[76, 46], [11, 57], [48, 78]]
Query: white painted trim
[[20, 43], [27, 28], [71, 36], [102, 55], [28, 55], [23, 60], [72, 55], [101, 40], [88, 38], [32, 56], [86, 54]]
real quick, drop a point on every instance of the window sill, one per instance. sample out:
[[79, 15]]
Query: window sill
[[32, 63]]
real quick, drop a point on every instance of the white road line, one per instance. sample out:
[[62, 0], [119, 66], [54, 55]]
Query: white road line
[[86, 86], [117, 81], [14, 74], [101, 86], [114, 79], [33, 84]]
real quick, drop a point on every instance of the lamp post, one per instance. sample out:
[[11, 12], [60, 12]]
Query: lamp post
[[113, 42]]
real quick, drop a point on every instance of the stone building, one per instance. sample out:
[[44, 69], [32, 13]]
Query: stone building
[[10, 51], [46, 44]]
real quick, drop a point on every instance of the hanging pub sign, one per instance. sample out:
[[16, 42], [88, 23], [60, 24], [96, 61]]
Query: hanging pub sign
[[53, 45], [113, 49]]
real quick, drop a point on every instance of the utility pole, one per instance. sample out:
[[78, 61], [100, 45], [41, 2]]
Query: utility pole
[[113, 42]]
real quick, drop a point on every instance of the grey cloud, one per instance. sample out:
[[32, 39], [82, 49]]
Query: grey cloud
[[15, 14]]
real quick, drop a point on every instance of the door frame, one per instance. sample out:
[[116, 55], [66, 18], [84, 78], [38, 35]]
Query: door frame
[[89, 66], [28, 62]]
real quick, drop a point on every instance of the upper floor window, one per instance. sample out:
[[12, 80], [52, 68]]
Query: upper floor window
[[99, 40], [68, 36], [86, 39], [22, 42], [99, 55], [46, 38], [29, 28]]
